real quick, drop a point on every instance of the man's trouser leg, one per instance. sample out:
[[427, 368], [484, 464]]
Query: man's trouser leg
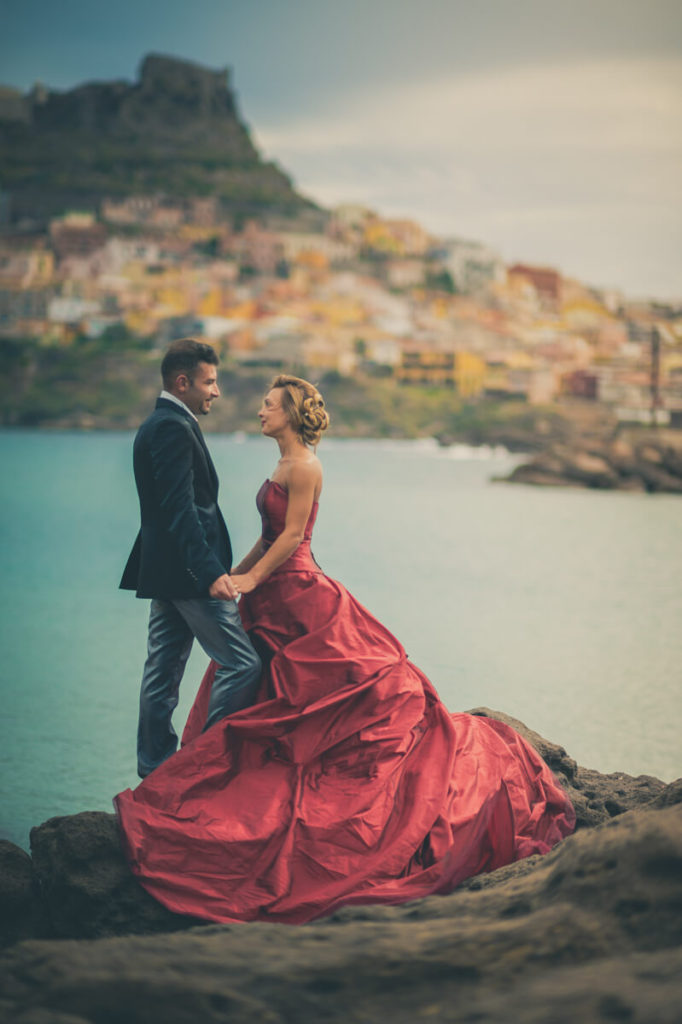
[[168, 646], [218, 628]]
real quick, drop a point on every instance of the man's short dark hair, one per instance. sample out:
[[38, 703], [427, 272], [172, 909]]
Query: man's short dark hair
[[183, 356]]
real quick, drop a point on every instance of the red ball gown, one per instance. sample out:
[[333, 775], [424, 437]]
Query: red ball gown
[[347, 783]]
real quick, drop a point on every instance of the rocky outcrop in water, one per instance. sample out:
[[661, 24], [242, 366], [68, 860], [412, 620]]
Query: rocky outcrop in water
[[649, 463], [591, 932]]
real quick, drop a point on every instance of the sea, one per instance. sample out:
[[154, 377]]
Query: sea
[[561, 607]]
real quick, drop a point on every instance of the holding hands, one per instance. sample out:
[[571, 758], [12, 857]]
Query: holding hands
[[229, 588], [244, 583], [224, 589]]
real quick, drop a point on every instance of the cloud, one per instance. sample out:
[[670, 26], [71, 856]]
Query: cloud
[[551, 156], [601, 104]]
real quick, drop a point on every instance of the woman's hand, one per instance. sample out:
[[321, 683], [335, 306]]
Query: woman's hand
[[244, 583]]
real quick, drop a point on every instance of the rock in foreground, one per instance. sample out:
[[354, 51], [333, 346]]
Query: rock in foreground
[[591, 932]]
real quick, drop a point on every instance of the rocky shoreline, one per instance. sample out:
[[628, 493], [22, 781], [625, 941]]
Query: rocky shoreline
[[591, 932], [648, 462]]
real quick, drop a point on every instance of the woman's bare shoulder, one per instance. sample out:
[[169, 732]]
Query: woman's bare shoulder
[[304, 474], [304, 470]]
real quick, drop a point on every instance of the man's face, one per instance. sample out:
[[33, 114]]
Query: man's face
[[199, 392]]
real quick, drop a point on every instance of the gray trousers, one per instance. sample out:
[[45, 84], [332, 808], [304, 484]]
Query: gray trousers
[[173, 625]]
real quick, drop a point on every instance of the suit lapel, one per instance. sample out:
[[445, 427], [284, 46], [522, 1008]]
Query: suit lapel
[[211, 468], [163, 403]]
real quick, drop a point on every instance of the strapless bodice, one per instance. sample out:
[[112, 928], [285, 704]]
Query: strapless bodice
[[271, 501]]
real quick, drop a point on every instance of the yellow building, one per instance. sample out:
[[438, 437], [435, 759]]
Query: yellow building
[[462, 370], [378, 236], [470, 374], [212, 303], [426, 366]]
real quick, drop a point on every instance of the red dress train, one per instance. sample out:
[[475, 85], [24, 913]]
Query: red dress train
[[348, 783]]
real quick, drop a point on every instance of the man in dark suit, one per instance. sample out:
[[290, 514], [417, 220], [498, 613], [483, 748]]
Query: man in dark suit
[[182, 557]]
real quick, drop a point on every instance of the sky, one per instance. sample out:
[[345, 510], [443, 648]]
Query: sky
[[549, 130]]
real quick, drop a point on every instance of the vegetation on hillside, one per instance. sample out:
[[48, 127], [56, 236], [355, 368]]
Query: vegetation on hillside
[[111, 383]]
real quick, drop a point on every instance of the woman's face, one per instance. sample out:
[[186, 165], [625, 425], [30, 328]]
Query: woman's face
[[273, 418]]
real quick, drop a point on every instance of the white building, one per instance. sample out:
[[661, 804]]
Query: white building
[[69, 310], [472, 265]]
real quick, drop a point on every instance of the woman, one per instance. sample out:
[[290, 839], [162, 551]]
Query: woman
[[348, 782]]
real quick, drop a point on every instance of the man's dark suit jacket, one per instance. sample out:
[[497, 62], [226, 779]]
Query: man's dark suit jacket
[[183, 544]]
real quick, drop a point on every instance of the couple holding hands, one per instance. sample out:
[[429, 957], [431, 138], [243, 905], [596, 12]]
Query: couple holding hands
[[318, 766]]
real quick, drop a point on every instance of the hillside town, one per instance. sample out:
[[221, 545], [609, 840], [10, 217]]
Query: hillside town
[[349, 292]]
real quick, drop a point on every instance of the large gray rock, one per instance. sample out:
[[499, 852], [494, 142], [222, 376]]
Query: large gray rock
[[651, 462], [87, 891], [87, 887], [175, 132], [22, 911], [595, 797], [591, 932]]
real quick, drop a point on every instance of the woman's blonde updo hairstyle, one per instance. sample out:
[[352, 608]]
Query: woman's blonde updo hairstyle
[[304, 407]]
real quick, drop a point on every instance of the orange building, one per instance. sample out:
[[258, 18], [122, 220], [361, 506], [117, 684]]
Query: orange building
[[545, 281], [76, 235]]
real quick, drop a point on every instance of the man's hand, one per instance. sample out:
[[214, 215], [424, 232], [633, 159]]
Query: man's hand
[[223, 589]]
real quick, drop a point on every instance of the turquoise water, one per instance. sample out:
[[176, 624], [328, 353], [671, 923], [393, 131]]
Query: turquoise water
[[560, 607]]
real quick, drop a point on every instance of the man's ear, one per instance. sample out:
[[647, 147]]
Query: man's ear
[[182, 382]]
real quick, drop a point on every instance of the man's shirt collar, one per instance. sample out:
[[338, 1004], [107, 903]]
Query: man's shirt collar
[[178, 401]]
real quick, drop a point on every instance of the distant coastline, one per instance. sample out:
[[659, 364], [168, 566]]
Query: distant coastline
[[95, 386], [98, 387]]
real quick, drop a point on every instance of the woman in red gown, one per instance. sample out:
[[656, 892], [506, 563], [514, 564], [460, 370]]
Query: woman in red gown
[[348, 782]]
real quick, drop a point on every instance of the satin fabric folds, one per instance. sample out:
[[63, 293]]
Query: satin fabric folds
[[347, 783]]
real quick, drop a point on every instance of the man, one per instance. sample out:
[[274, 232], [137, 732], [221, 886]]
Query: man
[[182, 557]]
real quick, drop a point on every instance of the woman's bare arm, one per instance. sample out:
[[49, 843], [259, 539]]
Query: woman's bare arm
[[249, 559], [302, 484]]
